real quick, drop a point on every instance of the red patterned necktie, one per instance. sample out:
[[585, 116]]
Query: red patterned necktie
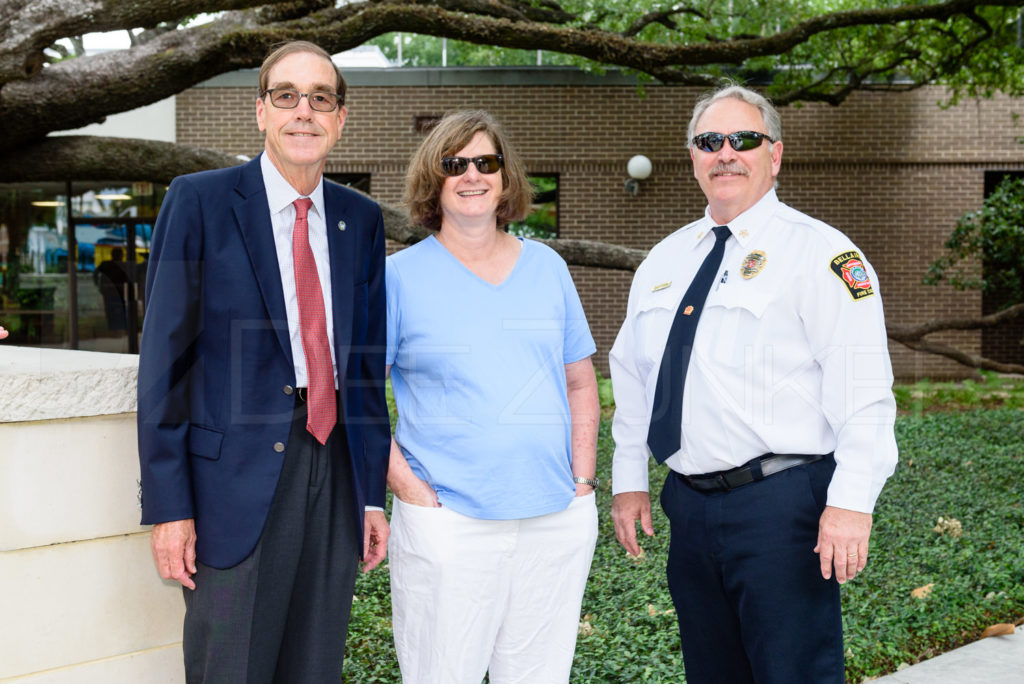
[[322, 402]]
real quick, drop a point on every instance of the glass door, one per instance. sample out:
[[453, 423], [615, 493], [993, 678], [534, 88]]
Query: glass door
[[110, 276]]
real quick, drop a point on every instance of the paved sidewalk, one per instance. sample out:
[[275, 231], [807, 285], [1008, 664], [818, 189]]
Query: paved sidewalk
[[995, 660]]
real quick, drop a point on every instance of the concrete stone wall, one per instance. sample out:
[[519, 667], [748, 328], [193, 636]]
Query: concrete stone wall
[[892, 170], [82, 603]]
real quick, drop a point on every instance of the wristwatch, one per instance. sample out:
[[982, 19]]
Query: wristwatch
[[592, 481]]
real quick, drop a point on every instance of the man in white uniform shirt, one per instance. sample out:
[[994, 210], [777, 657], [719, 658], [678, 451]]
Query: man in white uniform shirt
[[783, 438]]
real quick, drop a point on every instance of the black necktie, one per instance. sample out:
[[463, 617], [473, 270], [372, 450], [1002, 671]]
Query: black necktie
[[667, 415]]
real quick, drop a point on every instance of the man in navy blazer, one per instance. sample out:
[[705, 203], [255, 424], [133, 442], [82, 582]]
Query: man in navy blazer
[[261, 520]]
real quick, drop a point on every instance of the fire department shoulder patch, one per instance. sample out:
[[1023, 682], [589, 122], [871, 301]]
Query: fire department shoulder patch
[[849, 268]]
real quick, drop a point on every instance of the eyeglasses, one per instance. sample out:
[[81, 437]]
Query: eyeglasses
[[288, 98], [741, 141], [485, 163]]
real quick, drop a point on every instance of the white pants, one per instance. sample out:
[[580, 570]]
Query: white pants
[[471, 596]]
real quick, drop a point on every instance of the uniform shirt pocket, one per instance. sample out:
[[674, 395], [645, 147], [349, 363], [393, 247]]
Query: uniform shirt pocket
[[734, 323], [654, 314]]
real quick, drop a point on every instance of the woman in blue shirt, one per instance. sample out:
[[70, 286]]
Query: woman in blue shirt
[[492, 467]]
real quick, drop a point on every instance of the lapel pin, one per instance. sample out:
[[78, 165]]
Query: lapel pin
[[661, 287], [752, 264], [341, 225], [744, 233]]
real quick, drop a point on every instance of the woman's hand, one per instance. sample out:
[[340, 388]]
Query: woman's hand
[[412, 490], [405, 484]]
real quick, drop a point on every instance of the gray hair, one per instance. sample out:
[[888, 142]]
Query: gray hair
[[772, 120]]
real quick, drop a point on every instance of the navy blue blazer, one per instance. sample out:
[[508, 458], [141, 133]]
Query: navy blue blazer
[[215, 357]]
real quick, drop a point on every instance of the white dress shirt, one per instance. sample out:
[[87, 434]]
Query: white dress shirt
[[788, 357], [280, 195]]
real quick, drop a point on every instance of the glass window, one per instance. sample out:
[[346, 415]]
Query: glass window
[[33, 263], [116, 199], [1005, 342], [71, 272], [543, 219], [359, 181]]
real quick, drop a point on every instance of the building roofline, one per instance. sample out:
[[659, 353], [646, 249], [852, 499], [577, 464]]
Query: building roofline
[[449, 76]]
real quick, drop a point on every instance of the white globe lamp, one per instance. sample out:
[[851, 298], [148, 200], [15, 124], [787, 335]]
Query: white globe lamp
[[638, 167]]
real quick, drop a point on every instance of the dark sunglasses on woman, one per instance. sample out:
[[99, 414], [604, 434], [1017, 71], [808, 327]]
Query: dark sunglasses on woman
[[485, 163]]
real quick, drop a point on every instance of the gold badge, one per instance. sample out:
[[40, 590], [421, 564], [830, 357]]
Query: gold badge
[[744, 233], [662, 286], [753, 264], [688, 310]]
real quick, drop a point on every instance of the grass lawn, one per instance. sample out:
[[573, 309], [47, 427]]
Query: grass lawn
[[966, 465]]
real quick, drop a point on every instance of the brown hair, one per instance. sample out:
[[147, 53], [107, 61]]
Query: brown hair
[[424, 179], [282, 50]]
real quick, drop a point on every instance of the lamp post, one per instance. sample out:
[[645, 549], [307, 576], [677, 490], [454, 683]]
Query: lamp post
[[638, 167]]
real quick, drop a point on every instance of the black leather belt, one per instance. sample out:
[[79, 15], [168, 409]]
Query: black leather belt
[[302, 394], [752, 471]]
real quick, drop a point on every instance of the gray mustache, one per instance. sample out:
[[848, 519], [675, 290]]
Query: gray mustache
[[729, 168]]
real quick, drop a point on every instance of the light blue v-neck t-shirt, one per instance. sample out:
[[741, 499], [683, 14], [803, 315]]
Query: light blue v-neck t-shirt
[[478, 372]]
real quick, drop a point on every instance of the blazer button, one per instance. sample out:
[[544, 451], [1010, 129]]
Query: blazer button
[[288, 389], [279, 447]]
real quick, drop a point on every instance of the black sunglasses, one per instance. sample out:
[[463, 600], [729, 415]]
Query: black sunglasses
[[485, 163], [741, 141]]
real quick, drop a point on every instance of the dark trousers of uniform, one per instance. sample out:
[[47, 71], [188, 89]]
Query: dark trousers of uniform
[[746, 583], [281, 615]]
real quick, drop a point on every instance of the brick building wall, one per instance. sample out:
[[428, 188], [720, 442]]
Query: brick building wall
[[892, 170]]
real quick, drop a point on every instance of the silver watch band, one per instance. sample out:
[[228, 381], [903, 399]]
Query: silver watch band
[[592, 481]]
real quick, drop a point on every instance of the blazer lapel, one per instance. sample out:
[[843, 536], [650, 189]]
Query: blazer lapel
[[253, 218], [340, 240]]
